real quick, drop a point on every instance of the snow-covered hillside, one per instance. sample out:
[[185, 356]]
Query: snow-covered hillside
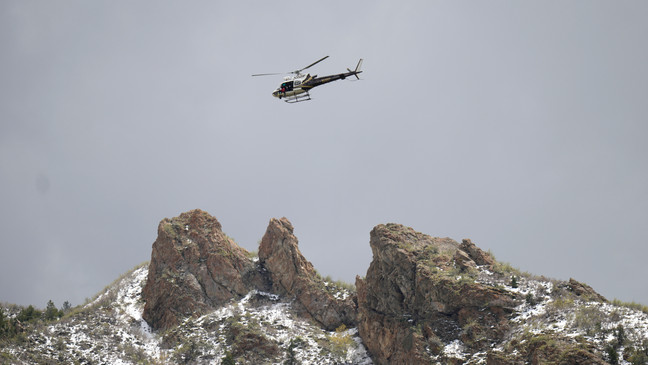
[[549, 310], [110, 330], [265, 328]]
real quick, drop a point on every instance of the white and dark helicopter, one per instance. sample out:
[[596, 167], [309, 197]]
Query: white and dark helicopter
[[296, 88]]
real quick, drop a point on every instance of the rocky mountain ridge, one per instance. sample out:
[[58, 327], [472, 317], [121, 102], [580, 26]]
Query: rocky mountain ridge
[[202, 299]]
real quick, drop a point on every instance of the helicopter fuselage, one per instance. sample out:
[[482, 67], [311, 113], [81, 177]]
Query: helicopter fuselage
[[300, 84]]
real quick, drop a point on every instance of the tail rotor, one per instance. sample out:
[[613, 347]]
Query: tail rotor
[[357, 70]]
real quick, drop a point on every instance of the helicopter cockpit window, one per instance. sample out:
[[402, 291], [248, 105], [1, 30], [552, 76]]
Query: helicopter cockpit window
[[287, 86]]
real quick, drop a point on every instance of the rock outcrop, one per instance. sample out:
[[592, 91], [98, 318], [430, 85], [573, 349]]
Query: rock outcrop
[[538, 349], [420, 292], [294, 276], [476, 254], [584, 291], [422, 296], [194, 267]]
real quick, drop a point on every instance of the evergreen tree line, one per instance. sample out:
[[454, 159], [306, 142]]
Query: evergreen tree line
[[10, 327]]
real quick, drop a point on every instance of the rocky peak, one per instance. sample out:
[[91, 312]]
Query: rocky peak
[[420, 292], [423, 299], [194, 267], [292, 275], [279, 254]]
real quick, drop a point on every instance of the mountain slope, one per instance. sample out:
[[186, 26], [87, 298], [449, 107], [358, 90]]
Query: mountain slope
[[110, 330], [205, 300]]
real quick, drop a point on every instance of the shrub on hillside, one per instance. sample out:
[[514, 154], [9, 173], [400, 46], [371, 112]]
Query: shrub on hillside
[[29, 314], [341, 341]]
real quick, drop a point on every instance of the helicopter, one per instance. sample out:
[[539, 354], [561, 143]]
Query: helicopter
[[296, 88]]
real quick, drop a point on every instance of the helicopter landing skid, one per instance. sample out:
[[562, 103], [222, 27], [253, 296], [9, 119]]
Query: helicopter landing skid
[[298, 98]]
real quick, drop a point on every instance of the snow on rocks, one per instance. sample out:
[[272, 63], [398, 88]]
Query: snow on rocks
[[108, 329], [455, 350], [268, 317], [546, 307]]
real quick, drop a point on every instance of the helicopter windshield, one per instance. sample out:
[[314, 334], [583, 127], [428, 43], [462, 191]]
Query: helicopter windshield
[[286, 86]]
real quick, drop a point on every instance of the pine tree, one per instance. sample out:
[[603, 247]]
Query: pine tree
[[4, 325], [613, 355], [292, 357], [620, 336], [514, 282], [51, 313], [28, 314]]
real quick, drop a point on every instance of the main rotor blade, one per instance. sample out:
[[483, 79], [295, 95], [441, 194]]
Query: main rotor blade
[[276, 73], [312, 64], [296, 71]]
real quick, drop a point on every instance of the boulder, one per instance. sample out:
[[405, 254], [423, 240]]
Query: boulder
[[463, 261], [476, 254]]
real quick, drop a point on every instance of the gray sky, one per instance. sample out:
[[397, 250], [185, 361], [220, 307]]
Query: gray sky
[[520, 125]]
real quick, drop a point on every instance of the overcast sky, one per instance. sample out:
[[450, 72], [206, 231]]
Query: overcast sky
[[520, 125]]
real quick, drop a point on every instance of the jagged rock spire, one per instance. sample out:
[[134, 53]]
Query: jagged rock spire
[[291, 274], [194, 267]]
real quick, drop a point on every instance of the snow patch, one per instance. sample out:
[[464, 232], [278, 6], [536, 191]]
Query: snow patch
[[455, 350]]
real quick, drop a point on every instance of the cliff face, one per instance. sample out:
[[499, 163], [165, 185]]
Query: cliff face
[[419, 294], [194, 268], [293, 276]]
